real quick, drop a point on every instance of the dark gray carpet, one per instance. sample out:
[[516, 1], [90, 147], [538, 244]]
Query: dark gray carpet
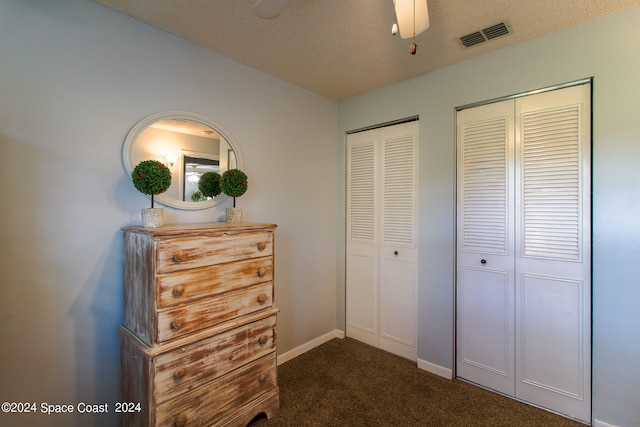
[[346, 383]]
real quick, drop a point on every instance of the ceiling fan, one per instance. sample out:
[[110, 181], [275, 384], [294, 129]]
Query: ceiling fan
[[412, 16], [269, 9]]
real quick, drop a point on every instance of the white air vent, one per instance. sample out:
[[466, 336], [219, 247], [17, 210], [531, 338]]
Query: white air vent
[[489, 33]]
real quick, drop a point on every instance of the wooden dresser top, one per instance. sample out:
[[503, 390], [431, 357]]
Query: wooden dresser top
[[199, 228]]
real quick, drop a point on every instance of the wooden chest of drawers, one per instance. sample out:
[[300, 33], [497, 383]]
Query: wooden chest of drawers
[[198, 343]]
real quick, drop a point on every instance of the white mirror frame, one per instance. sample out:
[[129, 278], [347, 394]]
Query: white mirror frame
[[142, 125]]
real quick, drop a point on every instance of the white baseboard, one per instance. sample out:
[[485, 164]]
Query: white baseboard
[[435, 369], [285, 357], [597, 423], [310, 345]]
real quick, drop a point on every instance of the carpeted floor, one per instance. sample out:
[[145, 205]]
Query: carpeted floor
[[346, 383]]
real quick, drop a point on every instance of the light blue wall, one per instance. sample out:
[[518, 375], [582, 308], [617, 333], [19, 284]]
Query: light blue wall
[[74, 78], [606, 49]]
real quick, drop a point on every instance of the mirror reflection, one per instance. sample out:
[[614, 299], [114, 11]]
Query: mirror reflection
[[189, 145]]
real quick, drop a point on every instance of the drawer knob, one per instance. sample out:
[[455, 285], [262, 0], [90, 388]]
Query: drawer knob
[[262, 271], [181, 421], [263, 339], [179, 374], [179, 256], [178, 291], [177, 324], [262, 246], [262, 379], [262, 298]]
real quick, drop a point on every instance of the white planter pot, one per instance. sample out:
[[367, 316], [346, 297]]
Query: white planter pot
[[152, 217], [234, 214]]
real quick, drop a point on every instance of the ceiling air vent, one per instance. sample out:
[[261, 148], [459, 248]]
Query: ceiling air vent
[[489, 33], [471, 39]]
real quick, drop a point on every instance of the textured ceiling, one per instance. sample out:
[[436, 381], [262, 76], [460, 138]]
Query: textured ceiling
[[341, 48]]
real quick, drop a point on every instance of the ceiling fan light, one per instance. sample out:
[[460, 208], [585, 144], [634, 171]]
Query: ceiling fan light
[[269, 9], [405, 17]]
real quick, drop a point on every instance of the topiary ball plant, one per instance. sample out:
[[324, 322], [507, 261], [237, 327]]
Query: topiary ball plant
[[197, 197], [209, 184], [151, 177], [234, 183]]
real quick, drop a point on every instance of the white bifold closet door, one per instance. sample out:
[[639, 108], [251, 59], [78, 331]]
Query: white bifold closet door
[[381, 264], [524, 249]]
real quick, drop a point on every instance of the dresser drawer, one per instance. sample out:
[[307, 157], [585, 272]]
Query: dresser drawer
[[183, 286], [187, 318], [187, 368], [219, 398], [200, 251]]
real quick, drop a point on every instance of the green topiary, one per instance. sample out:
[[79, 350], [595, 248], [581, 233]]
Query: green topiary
[[209, 184], [151, 177], [234, 183], [197, 197]]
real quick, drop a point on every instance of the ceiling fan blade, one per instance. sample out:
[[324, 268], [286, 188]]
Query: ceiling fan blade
[[269, 9]]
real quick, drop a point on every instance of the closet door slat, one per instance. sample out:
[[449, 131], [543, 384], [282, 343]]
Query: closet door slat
[[484, 186], [551, 184]]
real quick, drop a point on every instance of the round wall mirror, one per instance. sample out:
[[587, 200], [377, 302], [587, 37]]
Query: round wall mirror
[[189, 145]]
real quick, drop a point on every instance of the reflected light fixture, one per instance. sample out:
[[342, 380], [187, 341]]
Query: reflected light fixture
[[412, 17], [170, 159]]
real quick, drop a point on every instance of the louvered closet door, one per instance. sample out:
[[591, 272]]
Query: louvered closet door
[[381, 238], [485, 260], [523, 261], [553, 251], [398, 251], [362, 237]]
